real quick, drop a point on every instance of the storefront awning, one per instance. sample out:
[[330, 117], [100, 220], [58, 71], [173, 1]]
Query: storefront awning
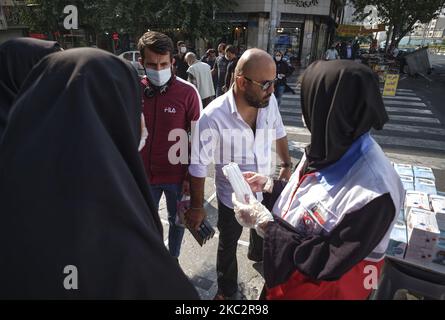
[[346, 30]]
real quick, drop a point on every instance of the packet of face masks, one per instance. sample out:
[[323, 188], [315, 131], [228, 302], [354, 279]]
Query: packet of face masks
[[181, 207]]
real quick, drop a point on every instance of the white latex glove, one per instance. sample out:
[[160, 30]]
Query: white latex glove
[[281, 76], [258, 182], [144, 133], [253, 215]]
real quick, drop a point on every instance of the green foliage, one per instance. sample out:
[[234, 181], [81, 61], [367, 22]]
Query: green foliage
[[193, 18], [400, 15]]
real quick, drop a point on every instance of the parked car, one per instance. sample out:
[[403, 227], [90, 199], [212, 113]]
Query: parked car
[[133, 58]]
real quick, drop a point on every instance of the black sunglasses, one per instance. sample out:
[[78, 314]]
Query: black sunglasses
[[265, 85]]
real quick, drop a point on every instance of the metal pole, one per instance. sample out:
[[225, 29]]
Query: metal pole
[[272, 25]]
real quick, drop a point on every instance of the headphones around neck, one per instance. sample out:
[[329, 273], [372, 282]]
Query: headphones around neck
[[150, 91]]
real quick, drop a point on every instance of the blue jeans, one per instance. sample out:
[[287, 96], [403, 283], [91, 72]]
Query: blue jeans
[[173, 195], [279, 91]]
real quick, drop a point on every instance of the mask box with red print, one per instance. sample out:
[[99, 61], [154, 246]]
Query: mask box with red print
[[404, 169], [416, 199], [398, 240], [439, 252], [425, 185], [423, 172], [423, 235], [438, 206], [408, 182]]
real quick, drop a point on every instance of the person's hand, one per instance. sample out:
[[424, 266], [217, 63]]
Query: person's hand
[[186, 188], [285, 174], [252, 215], [255, 180], [193, 217], [281, 76]]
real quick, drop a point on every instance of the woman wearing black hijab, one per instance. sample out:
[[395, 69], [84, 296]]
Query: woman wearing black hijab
[[73, 191], [329, 229], [17, 58]]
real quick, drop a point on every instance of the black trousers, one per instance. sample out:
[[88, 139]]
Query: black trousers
[[226, 262]]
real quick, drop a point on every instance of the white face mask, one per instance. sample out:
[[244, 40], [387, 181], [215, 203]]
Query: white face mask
[[158, 78], [221, 54], [183, 49], [277, 58]]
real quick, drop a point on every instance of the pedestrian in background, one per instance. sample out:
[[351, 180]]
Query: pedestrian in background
[[179, 64], [331, 53], [170, 103], [200, 76], [232, 58], [220, 69], [284, 70]]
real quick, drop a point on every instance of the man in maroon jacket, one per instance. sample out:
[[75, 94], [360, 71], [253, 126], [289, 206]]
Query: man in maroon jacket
[[170, 106]]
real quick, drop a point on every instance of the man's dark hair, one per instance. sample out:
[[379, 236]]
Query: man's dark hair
[[231, 49], [157, 42]]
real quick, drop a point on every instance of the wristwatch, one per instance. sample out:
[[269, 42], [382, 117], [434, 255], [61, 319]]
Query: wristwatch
[[286, 165]]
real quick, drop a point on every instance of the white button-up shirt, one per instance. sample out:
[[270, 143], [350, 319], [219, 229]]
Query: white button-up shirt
[[222, 136]]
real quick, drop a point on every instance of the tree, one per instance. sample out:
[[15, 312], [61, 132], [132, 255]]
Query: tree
[[400, 15], [194, 18]]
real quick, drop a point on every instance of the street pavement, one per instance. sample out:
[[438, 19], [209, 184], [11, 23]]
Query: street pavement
[[415, 134]]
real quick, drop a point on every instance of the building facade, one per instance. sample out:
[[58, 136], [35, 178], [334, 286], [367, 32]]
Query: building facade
[[300, 29]]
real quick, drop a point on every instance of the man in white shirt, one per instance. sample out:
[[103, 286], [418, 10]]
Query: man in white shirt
[[331, 53], [239, 126], [200, 75]]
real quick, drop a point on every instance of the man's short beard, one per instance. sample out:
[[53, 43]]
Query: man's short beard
[[255, 102]]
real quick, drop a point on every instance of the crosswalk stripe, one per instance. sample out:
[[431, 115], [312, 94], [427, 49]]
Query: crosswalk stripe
[[405, 103], [410, 142], [436, 163], [388, 127], [413, 129], [431, 162], [302, 141], [408, 110], [405, 90], [402, 98], [397, 97], [296, 110], [297, 130], [414, 119], [398, 93]]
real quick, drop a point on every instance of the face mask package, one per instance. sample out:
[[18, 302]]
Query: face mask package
[[416, 199], [404, 169], [423, 172], [425, 185], [438, 206], [240, 186], [439, 252], [398, 240], [423, 235], [408, 182]]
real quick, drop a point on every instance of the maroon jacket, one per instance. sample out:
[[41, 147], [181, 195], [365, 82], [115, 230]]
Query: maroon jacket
[[174, 109]]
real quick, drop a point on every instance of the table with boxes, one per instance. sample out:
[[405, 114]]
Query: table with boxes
[[418, 237]]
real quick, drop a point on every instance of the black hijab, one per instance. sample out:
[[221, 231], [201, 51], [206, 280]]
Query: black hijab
[[340, 101], [73, 189], [17, 58]]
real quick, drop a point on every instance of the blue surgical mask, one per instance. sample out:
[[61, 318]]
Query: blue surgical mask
[[158, 78]]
